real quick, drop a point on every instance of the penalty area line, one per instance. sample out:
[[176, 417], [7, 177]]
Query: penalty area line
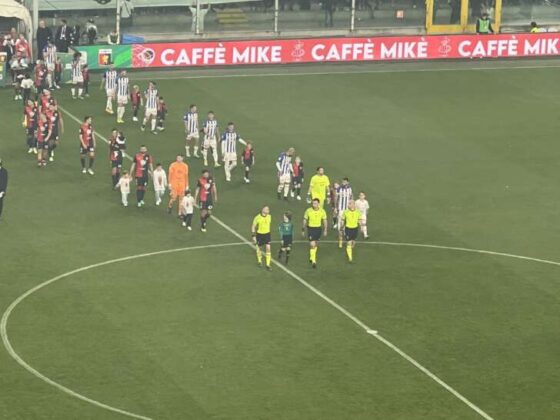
[[374, 333]]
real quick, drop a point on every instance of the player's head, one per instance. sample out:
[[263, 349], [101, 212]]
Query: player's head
[[336, 185], [205, 173], [320, 170], [77, 55], [352, 205], [143, 149], [158, 166], [43, 116], [87, 119], [123, 73], [125, 173], [179, 158], [362, 195], [52, 106], [287, 216], [297, 159], [211, 115], [249, 145], [291, 151], [85, 67], [265, 211], [136, 87], [30, 102], [112, 67], [114, 132], [315, 203], [345, 181], [192, 108], [151, 85], [230, 126], [46, 92], [187, 192], [161, 98]]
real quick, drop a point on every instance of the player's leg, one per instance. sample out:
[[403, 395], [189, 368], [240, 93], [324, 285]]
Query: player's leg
[[288, 249], [246, 174], [83, 155], [205, 147], [214, 147], [188, 220], [203, 217], [80, 90], [227, 169], [268, 256], [109, 105], [74, 90], [363, 227], [124, 199], [114, 176], [91, 161], [172, 198], [280, 188], [135, 109], [259, 253], [188, 145], [120, 112], [313, 253], [286, 186], [195, 147]]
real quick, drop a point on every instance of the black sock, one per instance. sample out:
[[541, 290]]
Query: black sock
[[138, 195], [298, 190], [91, 160], [287, 255], [247, 174], [83, 161], [115, 180], [142, 192]]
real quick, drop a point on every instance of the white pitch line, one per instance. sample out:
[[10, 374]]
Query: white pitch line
[[343, 72], [335, 305], [35, 372]]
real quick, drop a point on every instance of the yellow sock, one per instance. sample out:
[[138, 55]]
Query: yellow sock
[[313, 255], [268, 258], [349, 252], [259, 255]]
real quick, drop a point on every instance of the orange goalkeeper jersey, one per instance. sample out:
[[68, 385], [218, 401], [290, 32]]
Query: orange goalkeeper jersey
[[179, 175]]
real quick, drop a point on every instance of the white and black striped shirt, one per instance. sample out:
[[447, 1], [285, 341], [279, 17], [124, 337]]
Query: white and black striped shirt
[[284, 164], [151, 98], [191, 122], [49, 54], [122, 86], [77, 68], [229, 142], [211, 128], [343, 196], [110, 78]]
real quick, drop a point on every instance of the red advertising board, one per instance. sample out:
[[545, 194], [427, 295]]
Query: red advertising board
[[315, 50]]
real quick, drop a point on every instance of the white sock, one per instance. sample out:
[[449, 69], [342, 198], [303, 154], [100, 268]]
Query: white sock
[[364, 230], [73, 91], [124, 198], [205, 154], [144, 121], [120, 112], [80, 90], [215, 155], [153, 124], [280, 186], [195, 150], [286, 189], [109, 104], [227, 171], [187, 151]]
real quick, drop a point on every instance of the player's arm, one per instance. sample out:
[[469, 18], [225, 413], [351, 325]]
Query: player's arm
[[215, 192], [132, 168], [171, 176], [240, 140], [49, 133], [60, 123], [196, 193], [326, 225], [93, 139], [278, 163], [304, 224], [82, 140], [254, 230]]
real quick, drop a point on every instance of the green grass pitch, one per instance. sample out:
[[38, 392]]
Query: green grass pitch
[[455, 158]]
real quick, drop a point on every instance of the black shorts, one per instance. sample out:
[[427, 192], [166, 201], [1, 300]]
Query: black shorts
[[287, 241], [297, 180], [142, 181], [43, 145], [263, 239], [30, 131], [314, 233], [351, 233], [116, 163], [206, 204], [86, 150], [248, 163]]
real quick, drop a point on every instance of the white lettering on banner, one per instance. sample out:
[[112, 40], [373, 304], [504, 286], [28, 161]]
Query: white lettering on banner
[[345, 52], [258, 55], [405, 50], [541, 47], [489, 48], [206, 56]]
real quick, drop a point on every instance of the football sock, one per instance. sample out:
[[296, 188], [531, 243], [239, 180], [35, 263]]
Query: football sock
[[246, 174], [215, 155], [313, 255], [80, 90], [195, 150], [287, 255], [153, 124], [298, 190], [73, 91], [91, 160], [349, 252], [268, 258], [138, 195], [83, 162], [120, 112], [259, 255], [144, 121], [136, 111], [115, 180], [205, 155], [286, 190], [364, 230], [109, 104]]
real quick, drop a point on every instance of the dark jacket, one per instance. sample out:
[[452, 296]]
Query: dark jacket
[[3, 179], [62, 38], [43, 35]]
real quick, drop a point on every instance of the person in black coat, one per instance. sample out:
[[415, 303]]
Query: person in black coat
[[62, 38], [3, 185], [44, 35]]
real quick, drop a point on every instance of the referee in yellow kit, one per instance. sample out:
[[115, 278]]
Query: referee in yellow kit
[[260, 230], [315, 220], [350, 223]]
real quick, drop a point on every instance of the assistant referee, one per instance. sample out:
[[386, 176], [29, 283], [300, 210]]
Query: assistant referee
[[260, 230], [315, 221]]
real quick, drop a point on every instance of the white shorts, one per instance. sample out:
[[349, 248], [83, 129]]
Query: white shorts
[[122, 99], [210, 143], [150, 112], [110, 93], [230, 157], [193, 135], [50, 67], [77, 79], [285, 179]]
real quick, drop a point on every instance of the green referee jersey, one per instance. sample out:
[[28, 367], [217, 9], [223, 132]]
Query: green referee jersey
[[262, 223]]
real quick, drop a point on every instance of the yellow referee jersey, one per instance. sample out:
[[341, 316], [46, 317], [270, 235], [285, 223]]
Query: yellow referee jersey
[[351, 218], [262, 223], [315, 217]]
